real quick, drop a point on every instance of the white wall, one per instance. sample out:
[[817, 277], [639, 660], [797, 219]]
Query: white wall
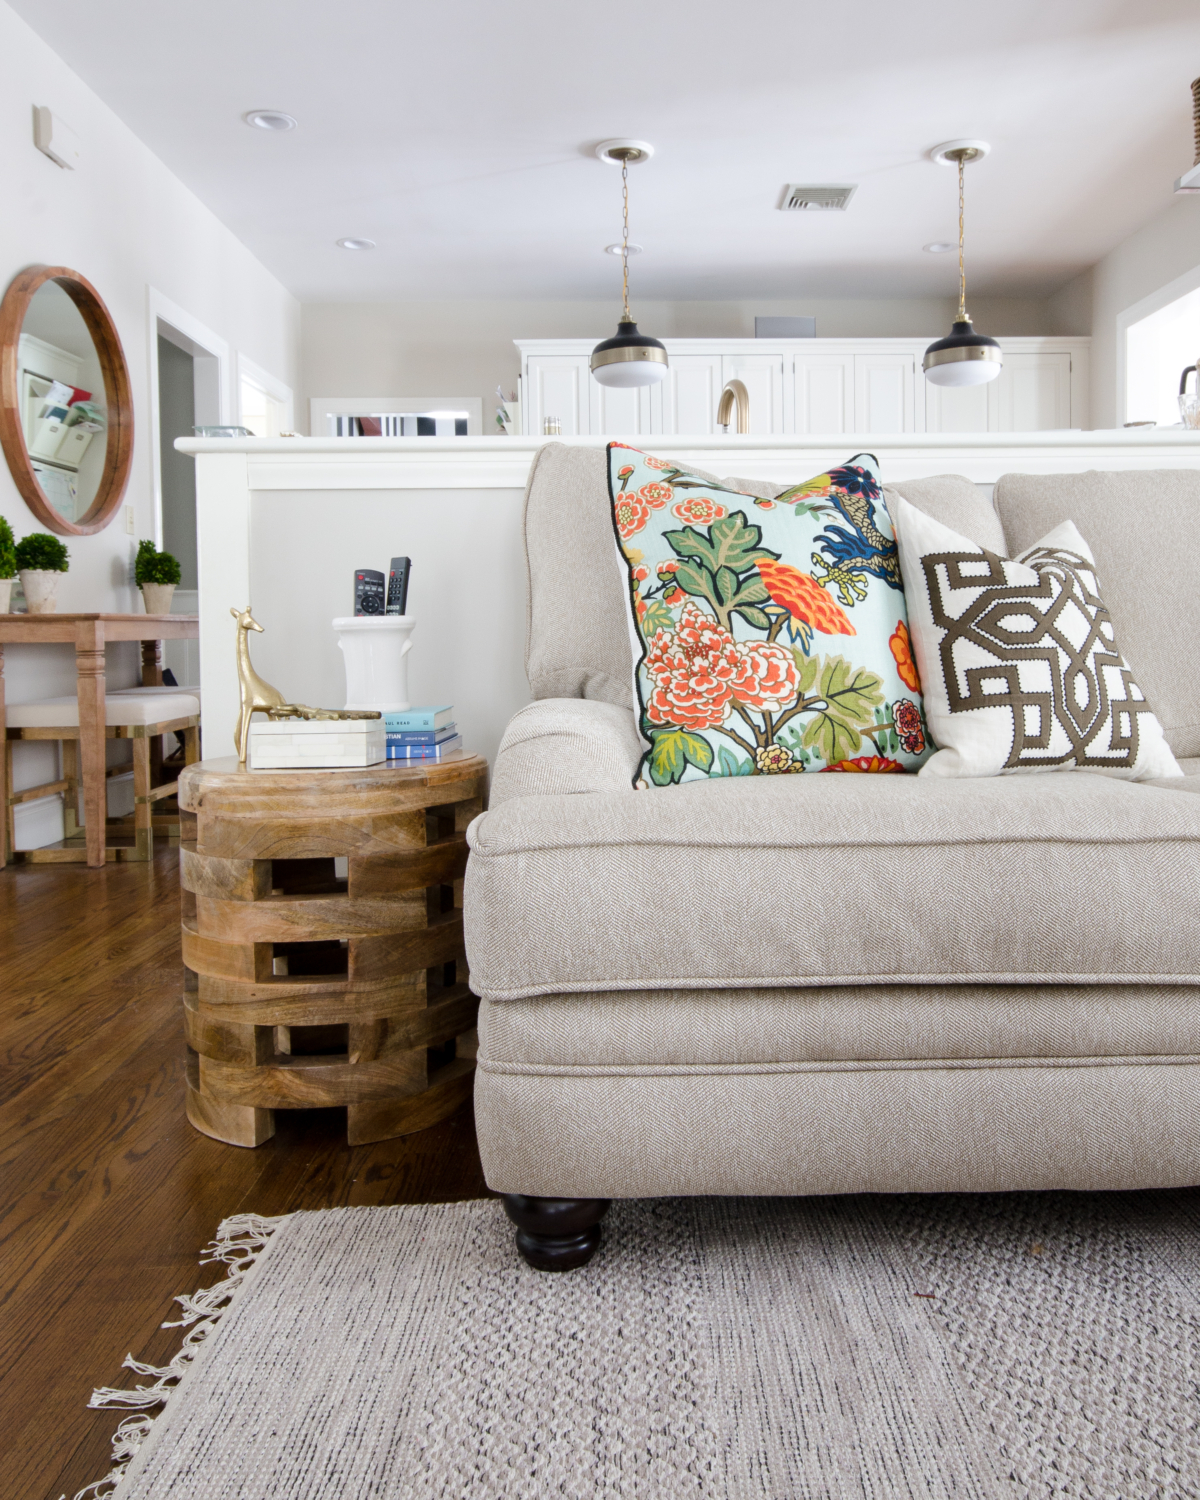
[[1163, 251], [124, 222], [466, 348]]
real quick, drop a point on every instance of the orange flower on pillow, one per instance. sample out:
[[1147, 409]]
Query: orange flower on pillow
[[631, 513], [656, 494], [803, 598], [867, 763], [699, 509], [906, 666]]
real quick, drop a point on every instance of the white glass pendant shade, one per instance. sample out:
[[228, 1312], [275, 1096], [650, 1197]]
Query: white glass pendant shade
[[962, 374]]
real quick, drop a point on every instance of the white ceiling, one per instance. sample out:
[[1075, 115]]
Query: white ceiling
[[458, 135]]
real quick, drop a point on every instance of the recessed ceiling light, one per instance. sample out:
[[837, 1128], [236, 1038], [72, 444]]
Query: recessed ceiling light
[[939, 247], [616, 249], [269, 119], [357, 244]]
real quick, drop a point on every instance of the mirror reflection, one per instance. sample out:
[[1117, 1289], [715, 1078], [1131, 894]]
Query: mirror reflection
[[63, 407]]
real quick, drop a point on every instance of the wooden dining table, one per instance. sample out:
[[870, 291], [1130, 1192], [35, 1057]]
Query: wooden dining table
[[90, 634]]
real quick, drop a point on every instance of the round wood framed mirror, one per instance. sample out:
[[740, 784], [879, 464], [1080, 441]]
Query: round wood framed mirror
[[66, 409]]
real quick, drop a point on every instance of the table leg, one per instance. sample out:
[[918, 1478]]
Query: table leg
[[152, 664], [89, 668]]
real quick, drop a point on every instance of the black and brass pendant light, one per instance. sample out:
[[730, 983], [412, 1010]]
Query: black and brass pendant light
[[631, 358], [964, 357]]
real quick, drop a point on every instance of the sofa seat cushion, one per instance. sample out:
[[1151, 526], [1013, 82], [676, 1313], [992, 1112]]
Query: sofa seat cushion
[[818, 879], [640, 1031]]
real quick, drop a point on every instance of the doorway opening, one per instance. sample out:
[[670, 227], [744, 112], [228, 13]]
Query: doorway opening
[[189, 373]]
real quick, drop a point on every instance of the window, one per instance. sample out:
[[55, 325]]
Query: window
[[261, 412], [1157, 349]]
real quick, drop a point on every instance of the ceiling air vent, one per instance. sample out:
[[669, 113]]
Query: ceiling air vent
[[830, 196]]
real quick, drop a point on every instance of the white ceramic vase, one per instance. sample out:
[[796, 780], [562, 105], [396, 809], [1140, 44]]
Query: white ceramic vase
[[41, 589], [5, 595], [375, 649], [157, 597]]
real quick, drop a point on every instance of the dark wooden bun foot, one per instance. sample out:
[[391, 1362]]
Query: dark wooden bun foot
[[556, 1234]]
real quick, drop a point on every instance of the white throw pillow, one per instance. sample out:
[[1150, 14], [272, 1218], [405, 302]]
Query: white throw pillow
[[1018, 662]]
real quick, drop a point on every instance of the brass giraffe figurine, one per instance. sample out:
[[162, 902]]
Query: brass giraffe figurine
[[260, 697]]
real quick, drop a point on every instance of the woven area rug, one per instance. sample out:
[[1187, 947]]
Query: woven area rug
[[1012, 1345]]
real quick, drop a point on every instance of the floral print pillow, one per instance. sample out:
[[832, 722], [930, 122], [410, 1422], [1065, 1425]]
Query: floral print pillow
[[770, 636]]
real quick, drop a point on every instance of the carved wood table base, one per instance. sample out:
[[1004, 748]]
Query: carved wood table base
[[309, 983]]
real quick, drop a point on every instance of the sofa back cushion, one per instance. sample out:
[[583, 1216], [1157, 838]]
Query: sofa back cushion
[[957, 503], [1144, 531]]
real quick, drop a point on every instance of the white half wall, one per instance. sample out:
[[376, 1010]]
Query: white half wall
[[126, 223]]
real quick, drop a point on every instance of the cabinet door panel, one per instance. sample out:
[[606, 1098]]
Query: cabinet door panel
[[956, 408], [884, 393], [557, 387], [762, 375], [624, 411], [1032, 393], [824, 385], [689, 394]]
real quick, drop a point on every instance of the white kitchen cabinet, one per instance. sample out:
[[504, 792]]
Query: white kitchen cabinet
[[884, 386], [762, 375], [557, 386], [690, 393], [1031, 394], [823, 393], [957, 408], [624, 411], [808, 386]]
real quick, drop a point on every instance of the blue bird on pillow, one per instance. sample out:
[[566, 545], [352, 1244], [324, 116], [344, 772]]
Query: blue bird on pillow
[[849, 559]]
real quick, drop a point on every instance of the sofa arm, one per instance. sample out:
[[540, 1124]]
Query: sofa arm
[[565, 745]]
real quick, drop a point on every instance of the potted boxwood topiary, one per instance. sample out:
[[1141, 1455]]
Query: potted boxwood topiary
[[156, 574], [8, 565], [41, 559]]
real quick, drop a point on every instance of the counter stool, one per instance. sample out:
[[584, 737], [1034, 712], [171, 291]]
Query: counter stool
[[140, 716]]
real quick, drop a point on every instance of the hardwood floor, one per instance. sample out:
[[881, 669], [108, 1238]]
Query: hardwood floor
[[108, 1194]]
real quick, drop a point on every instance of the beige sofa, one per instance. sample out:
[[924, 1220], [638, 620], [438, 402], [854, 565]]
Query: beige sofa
[[829, 984]]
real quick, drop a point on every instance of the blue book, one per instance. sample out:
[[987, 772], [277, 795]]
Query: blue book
[[424, 752], [419, 718], [421, 736]]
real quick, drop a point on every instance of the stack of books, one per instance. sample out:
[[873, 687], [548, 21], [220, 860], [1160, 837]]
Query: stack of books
[[422, 733]]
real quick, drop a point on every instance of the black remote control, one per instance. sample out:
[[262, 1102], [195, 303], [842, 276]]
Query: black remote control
[[397, 592], [368, 591]]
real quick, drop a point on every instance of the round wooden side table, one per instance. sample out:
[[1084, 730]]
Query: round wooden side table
[[323, 945]]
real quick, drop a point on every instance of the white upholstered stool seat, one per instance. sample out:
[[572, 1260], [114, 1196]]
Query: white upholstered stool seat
[[140, 715], [119, 709]]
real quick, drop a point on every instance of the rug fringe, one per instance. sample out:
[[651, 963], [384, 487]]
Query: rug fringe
[[238, 1243]]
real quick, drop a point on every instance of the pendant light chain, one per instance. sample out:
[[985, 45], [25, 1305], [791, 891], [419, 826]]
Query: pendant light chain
[[962, 274], [625, 238]]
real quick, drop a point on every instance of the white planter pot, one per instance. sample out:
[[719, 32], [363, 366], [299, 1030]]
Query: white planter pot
[[375, 649], [5, 595], [157, 597], [41, 590]]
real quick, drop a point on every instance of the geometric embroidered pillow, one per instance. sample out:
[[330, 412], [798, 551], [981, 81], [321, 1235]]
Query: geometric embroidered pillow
[[769, 637], [1018, 659]]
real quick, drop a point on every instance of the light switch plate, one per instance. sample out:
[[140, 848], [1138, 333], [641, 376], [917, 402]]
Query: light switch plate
[[129, 519]]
